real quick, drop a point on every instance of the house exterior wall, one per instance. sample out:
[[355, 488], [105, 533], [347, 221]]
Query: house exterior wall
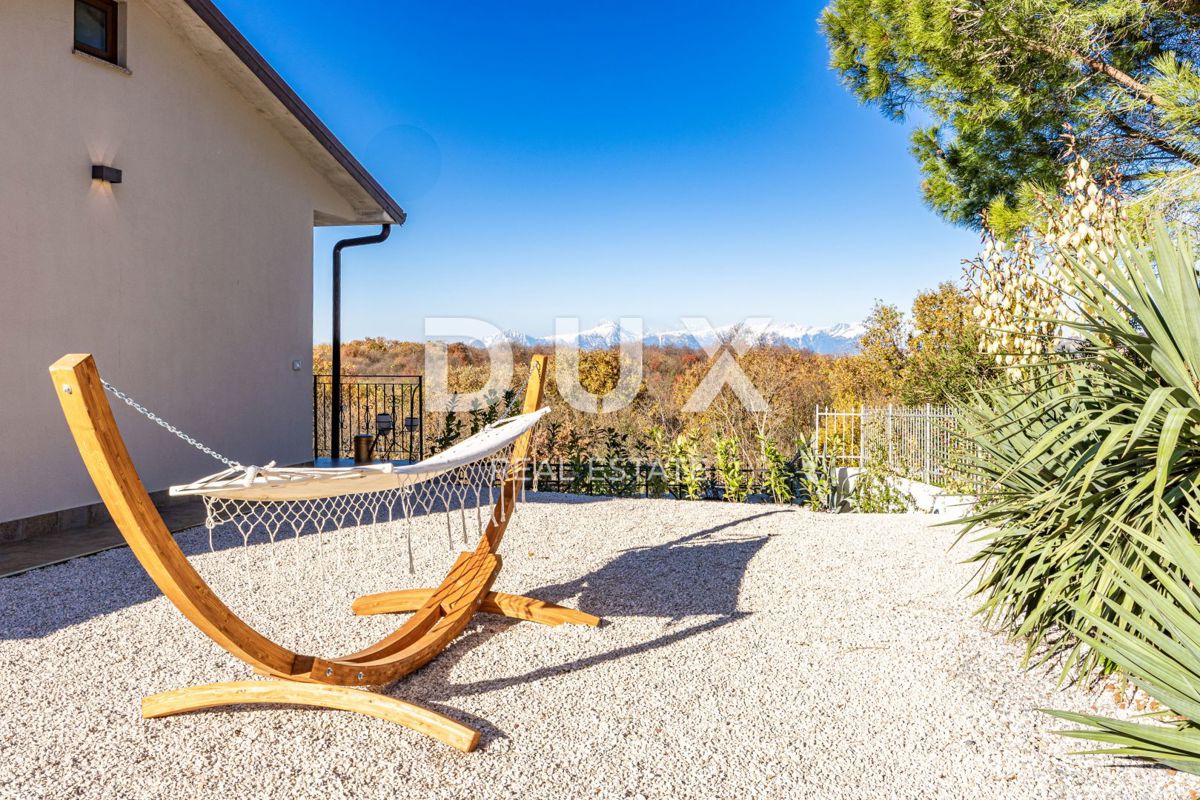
[[190, 282]]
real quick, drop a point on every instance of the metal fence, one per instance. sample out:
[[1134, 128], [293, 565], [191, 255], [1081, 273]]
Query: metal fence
[[920, 443], [364, 396]]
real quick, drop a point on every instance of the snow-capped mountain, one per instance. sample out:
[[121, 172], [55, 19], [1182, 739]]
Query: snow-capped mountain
[[510, 336], [606, 334], [836, 339]]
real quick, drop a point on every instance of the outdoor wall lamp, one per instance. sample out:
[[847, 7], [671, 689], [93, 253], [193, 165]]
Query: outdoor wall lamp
[[101, 172]]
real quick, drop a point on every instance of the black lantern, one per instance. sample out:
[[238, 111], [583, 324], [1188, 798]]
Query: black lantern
[[384, 424]]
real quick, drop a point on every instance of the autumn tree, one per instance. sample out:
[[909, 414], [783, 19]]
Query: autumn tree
[[931, 359], [874, 375], [792, 382], [943, 360]]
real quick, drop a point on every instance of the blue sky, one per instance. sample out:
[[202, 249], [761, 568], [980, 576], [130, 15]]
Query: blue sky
[[603, 160]]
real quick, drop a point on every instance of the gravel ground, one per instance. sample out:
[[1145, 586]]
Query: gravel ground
[[747, 651]]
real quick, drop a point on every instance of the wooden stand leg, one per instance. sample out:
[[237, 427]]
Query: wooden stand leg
[[514, 606], [518, 606], [342, 698]]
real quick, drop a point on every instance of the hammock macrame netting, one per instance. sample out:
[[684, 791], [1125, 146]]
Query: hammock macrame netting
[[288, 502]]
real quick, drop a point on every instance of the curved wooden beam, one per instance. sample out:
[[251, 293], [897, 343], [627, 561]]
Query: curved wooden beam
[[442, 616], [77, 384], [450, 609], [342, 698], [446, 612], [107, 459], [498, 523]]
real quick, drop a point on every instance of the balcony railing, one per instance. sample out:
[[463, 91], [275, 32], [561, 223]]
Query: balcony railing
[[364, 396]]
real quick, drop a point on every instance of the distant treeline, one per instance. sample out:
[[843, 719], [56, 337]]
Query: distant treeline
[[930, 359], [793, 382]]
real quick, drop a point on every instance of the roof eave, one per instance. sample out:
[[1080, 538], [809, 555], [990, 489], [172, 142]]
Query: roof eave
[[390, 210]]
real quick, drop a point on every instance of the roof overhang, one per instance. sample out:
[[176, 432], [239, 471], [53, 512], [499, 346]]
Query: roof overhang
[[227, 51]]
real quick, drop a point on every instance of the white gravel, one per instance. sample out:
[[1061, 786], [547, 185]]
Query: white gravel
[[748, 651]]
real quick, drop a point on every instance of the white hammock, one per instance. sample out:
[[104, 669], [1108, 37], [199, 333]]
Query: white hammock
[[271, 500], [279, 484]]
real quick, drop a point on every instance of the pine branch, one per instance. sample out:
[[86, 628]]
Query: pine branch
[[1162, 144]]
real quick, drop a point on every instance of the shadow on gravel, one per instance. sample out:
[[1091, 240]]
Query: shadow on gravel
[[74, 596], [697, 575], [81, 589]]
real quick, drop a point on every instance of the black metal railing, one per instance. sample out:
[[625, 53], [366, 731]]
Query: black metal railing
[[363, 397]]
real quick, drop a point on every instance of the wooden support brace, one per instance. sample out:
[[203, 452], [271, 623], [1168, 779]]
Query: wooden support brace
[[515, 606]]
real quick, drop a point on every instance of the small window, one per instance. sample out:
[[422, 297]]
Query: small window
[[96, 28]]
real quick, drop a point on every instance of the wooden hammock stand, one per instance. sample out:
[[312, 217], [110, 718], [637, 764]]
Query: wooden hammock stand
[[439, 615]]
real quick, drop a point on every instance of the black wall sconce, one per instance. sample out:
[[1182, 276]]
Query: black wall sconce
[[107, 174]]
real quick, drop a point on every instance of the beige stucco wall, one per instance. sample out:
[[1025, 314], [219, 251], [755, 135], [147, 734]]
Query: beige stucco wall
[[190, 282]]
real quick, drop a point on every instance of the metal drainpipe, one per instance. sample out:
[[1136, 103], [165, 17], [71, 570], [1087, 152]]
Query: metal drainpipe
[[335, 410]]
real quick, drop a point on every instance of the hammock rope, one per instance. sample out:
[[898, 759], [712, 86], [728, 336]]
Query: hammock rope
[[457, 490]]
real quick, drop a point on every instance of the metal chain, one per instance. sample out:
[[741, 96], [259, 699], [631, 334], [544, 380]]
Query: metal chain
[[518, 397], [150, 415]]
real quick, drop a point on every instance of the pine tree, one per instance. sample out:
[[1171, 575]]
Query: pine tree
[[1002, 79]]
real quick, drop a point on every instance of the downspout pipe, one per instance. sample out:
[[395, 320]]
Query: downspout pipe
[[335, 405]]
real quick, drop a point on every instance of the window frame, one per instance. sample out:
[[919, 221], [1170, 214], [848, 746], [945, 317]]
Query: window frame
[[110, 51]]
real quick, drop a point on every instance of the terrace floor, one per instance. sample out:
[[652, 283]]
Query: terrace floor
[[62, 544], [747, 651]]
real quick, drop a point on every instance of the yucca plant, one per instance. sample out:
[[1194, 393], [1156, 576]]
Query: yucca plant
[[1154, 638], [1094, 445], [817, 481]]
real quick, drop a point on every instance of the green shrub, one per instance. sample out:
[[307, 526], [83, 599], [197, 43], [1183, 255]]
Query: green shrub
[[451, 432], [492, 410], [1091, 451], [729, 468], [778, 479], [875, 492], [615, 473], [580, 464], [659, 448], [815, 477], [685, 468]]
